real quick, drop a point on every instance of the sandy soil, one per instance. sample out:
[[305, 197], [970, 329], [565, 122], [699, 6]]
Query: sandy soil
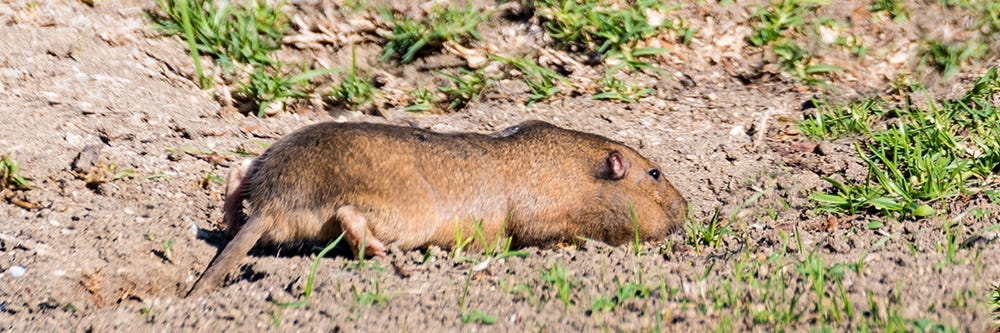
[[97, 79]]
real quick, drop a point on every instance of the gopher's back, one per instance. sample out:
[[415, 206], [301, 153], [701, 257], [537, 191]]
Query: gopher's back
[[406, 179]]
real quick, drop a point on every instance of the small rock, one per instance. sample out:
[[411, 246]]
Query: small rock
[[737, 131], [16, 271], [824, 148], [827, 35]]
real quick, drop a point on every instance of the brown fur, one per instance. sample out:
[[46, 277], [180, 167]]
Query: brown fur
[[385, 185]]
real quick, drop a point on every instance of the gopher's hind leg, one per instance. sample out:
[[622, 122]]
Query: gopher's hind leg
[[356, 231]]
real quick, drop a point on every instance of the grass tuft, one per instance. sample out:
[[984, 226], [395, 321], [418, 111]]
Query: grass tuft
[[611, 30], [9, 177], [465, 86], [355, 89], [240, 39], [542, 81], [556, 278], [949, 148], [777, 23], [949, 57], [311, 278], [408, 36]]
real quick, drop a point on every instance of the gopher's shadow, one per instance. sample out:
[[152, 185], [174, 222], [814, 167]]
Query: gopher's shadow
[[303, 249]]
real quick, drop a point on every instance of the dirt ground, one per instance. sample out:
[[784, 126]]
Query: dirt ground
[[95, 78]]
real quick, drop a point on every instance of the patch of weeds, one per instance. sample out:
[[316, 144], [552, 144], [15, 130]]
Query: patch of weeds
[[616, 89], [168, 249], [757, 288], [421, 100], [854, 44], [949, 148], [276, 318], [542, 81], [951, 244], [9, 177], [989, 14], [831, 121], [464, 87], [311, 278], [990, 17], [819, 276], [234, 34], [499, 247], [779, 21], [796, 60], [266, 86], [780, 17], [409, 36], [474, 315], [887, 318], [229, 33], [368, 298], [557, 279], [611, 30], [708, 234], [478, 317], [962, 298], [147, 313], [894, 8], [994, 301], [949, 57], [210, 176], [355, 89], [623, 292]]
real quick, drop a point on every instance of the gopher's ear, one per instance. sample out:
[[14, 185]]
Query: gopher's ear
[[614, 166]]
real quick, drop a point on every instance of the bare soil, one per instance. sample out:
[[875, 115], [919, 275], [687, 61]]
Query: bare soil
[[95, 78]]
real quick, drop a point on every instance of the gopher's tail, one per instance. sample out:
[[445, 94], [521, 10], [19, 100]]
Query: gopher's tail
[[226, 261]]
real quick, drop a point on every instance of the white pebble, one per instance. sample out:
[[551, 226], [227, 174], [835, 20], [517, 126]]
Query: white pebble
[[16, 271]]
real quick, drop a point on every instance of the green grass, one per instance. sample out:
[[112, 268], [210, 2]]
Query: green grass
[[557, 279], [776, 25], [793, 288], [493, 248], [705, 234], [229, 33], [355, 89], [542, 81], [168, 249], [994, 301], [948, 149], [616, 89], [949, 57], [311, 278], [477, 316], [240, 38], [265, 86], [820, 277], [614, 33], [835, 121], [950, 230], [780, 19], [464, 87], [623, 292], [408, 37], [9, 177], [894, 8], [422, 100]]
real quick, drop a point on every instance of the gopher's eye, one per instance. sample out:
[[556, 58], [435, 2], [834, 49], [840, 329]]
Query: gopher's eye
[[655, 173]]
